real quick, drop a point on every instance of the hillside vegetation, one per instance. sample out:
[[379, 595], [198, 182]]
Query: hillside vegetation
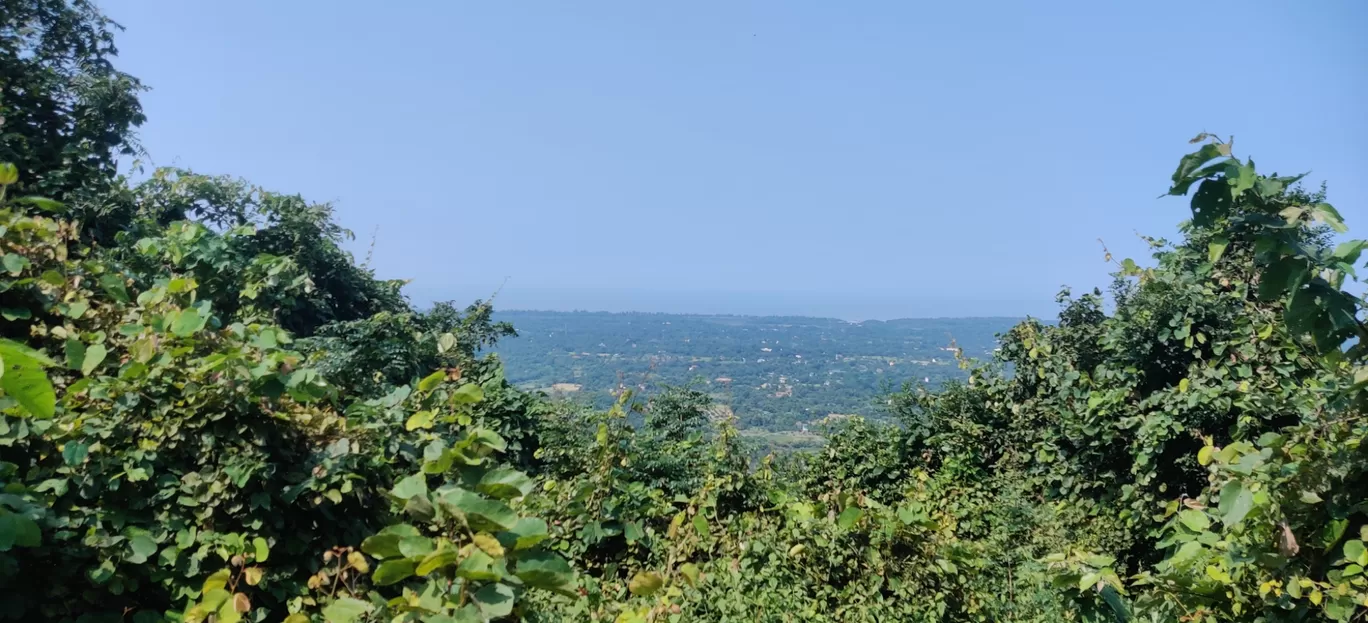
[[777, 374], [211, 413]]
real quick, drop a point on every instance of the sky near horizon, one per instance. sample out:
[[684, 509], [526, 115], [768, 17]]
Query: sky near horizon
[[852, 160]]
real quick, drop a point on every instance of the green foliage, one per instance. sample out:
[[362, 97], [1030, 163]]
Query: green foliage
[[208, 412], [782, 373], [66, 114]]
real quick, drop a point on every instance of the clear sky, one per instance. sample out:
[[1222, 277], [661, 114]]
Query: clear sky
[[857, 160]]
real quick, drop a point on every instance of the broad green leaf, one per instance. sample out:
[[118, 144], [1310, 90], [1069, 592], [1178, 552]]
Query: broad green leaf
[[478, 566], [544, 570], [631, 531], [700, 524], [113, 286], [23, 378], [9, 173], [16, 529], [260, 549], [1332, 531], [187, 322], [1187, 552], [218, 580], [469, 393], [487, 438], [1217, 573], [392, 571], [94, 356], [1240, 177], [1111, 593], [439, 559], [415, 546], [16, 354], [1348, 252], [196, 614], [1189, 165], [1279, 276], [143, 548], [31, 388], [1210, 203], [645, 583], [410, 486], [76, 309], [1355, 552], [432, 381], [480, 512], [75, 353], [74, 452], [1216, 248], [421, 419], [1235, 503], [528, 532], [215, 597], [505, 483], [420, 507], [15, 263], [446, 342], [345, 610], [381, 545], [1326, 213], [1195, 520], [1100, 560], [42, 203], [1204, 455], [494, 600], [849, 516]]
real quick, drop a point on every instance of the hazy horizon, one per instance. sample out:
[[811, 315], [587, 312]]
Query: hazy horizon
[[850, 307]]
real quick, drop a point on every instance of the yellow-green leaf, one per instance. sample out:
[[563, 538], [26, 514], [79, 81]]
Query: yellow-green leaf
[[489, 544], [431, 381], [645, 583], [345, 610], [218, 580], [392, 571], [94, 356], [421, 419], [690, 573], [260, 549]]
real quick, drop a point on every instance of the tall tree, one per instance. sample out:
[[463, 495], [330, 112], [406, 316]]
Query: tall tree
[[66, 113]]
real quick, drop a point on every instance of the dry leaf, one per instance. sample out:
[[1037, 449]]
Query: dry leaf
[[1287, 542]]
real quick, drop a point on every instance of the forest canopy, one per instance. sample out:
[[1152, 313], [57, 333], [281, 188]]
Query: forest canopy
[[210, 412]]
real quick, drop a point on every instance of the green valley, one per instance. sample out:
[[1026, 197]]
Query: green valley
[[774, 373]]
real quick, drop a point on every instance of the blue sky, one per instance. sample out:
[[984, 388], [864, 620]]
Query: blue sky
[[856, 160]]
